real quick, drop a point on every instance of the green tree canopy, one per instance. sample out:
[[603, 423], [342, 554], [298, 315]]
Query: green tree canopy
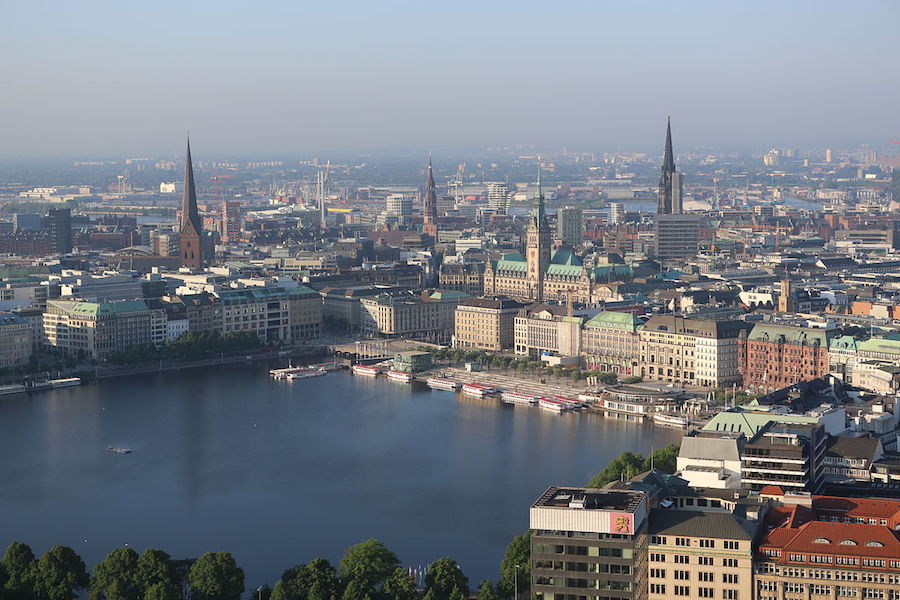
[[155, 567], [116, 577], [316, 580], [399, 586], [368, 563], [162, 591], [216, 576], [60, 575], [19, 566], [445, 575], [517, 558], [629, 464], [486, 591]]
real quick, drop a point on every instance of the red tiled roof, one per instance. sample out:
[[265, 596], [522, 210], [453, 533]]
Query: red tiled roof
[[800, 540], [771, 490], [859, 507]]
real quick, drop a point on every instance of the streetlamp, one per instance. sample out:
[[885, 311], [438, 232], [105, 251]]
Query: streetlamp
[[259, 593], [516, 583]]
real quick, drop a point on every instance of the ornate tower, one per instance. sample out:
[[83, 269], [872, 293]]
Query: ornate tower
[[191, 225], [429, 205], [669, 202], [537, 245]]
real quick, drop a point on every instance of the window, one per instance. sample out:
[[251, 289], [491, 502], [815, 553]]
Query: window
[[706, 576], [705, 592], [705, 560], [682, 590], [657, 557], [681, 559], [729, 578], [658, 539], [708, 543], [683, 575], [658, 573], [729, 562], [680, 541], [657, 588], [731, 545], [729, 594]]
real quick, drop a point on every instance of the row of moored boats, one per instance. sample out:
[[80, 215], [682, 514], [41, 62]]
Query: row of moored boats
[[292, 373]]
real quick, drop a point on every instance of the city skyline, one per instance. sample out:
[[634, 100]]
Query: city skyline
[[286, 79]]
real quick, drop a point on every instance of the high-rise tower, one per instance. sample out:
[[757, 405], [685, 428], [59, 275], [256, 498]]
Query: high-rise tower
[[429, 205], [669, 202], [191, 226], [537, 245]]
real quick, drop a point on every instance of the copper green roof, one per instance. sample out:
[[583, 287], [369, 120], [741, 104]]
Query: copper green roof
[[611, 319], [737, 420], [262, 293], [883, 345], [843, 342], [565, 256], [448, 295], [93, 309], [799, 336]]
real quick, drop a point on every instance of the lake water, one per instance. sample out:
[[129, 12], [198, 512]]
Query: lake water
[[278, 473]]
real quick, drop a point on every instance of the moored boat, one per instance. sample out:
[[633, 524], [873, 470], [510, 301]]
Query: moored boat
[[118, 450], [439, 383], [366, 370], [520, 398], [327, 366], [554, 405], [669, 420], [399, 376], [478, 390], [66, 382], [305, 373], [6, 390]]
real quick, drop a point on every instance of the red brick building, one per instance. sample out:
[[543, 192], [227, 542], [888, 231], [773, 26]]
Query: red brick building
[[772, 357]]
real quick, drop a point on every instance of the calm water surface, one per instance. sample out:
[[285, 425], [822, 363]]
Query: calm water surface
[[281, 472]]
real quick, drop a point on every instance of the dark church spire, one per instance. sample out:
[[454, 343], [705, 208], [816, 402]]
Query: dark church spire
[[189, 212], [429, 202], [668, 202]]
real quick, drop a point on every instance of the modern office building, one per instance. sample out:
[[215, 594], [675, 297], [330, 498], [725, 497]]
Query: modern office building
[[231, 222], [90, 329], [616, 213], [274, 313], [498, 197], [676, 236], [570, 225], [399, 206], [60, 226], [785, 454], [589, 544], [15, 341]]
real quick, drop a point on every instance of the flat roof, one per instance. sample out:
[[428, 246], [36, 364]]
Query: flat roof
[[593, 498]]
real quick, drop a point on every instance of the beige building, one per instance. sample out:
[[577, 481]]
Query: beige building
[[92, 329], [699, 553], [426, 317], [547, 329], [15, 341], [610, 341], [485, 323], [687, 351], [273, 313]]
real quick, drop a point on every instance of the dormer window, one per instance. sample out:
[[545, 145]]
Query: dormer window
[[821, 540], [848, 543]]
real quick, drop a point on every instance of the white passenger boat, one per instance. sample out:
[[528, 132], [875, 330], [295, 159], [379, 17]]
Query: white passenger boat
[[668, 420], [477, 390], [116, 450], [554, 405], [399, 376], [366, 370], [574, 403], [66, 382], [520, 398], [305, 373], [443, 384], [6, 390], [327, 366], [286, 373]]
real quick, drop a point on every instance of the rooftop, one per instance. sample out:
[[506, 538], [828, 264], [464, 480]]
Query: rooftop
[[689, 523], [590, 499]]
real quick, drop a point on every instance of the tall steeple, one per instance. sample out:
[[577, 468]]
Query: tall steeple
[[190, 225], [429, 205], [669, 201], [537, 245]]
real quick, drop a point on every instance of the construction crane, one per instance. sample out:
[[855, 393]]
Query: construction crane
[[456, 184], [217, 189]]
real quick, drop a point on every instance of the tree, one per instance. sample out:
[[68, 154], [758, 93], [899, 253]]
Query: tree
[[369, 563], [216, 576], [633, 379], [606, 377], [357, 590], [162, 591], [444, 575], [20, 567], [399, 586], [155, 567], [60, 574], [516, 567], [664, 459], [486, 591], [116, 577], [627, 464]]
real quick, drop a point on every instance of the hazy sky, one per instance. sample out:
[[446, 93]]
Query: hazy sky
[[97, 78]]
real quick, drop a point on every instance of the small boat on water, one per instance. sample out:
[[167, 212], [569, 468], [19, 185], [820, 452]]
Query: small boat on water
[[574, 402], [438, 383], [327, 366], [305, 373], [286, 373], [366, 370], [6, 390], [669, 420], [520, 398], [66, 382], [117, 450], [478, 390], [399, 376], [555, 405]]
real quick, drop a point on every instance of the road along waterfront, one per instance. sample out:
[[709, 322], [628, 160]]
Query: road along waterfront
[[279, 472]]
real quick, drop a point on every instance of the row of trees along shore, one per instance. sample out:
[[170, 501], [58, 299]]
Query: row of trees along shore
[[367, 571]]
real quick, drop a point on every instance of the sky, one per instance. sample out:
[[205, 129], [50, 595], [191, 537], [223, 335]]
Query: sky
[[112, 78]]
